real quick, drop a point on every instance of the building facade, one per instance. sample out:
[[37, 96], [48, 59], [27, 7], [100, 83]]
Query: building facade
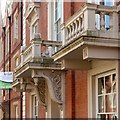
[[65, 59]]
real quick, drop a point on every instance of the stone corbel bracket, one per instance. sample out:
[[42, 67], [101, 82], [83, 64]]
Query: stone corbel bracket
[[54, 79]]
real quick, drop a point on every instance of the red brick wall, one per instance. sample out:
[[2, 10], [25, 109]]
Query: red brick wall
[[67, 10], [77, 6], [15, 98], [43, 20], [68, 95], [70, 8], [27, 34], [15, 47], [76, 94], [81, 97], [41, 113], [27, 102]]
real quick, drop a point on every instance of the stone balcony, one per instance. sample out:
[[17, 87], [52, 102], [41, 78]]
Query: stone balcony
[[36, 56], [92, 33], [91, 20], [39, 51]]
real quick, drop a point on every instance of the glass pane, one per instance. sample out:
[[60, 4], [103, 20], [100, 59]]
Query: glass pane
[[57, 10], [101, 104], [108, 84], [97, 24], [114, 82], [59, 36], [114, 103], [59, 6], [100, 85], [56, 14], [107, 116], [101, 116], [109, 2], [107, 22], [108, 105]]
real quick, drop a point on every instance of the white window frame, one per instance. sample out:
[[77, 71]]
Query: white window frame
[[16, 25], [56, 21], [34, 106], [7, 41], [1, 50], [96, 79], [16, 111], [105, 1], [33, 30], [16, 61]]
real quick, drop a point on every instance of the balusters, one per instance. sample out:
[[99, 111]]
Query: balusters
[[84, 23], [72, 30], [102, 20], [75, 28], [50, 47], [111, 20]]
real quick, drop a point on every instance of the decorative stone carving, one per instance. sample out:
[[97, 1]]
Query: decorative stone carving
[[41, 89], [56, 82], [53, 79]]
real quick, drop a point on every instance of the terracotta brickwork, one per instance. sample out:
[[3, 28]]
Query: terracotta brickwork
[[76, 94], [43, 20]]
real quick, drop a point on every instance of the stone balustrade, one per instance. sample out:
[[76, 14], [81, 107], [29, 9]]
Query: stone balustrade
[[38, 49], [91, 20]]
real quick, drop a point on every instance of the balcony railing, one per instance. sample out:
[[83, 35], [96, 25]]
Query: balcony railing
[[92, 20], [39, 50]]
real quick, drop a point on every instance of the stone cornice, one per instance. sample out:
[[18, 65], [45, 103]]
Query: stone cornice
[[85, 40]]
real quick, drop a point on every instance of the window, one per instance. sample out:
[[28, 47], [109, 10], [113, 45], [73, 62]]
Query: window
[[106, 96], [1, 50], [34, 106], [58, 19], [33, 29], [7, 42], [16, 111], [7, 67], [16, 61], [105, 2], [16, 27]]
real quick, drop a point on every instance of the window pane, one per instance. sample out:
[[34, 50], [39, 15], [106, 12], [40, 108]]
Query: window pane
[[107, 22], [114, 83], [108, 99], [114, 103], [100, 85], [101, 104], [58, 11], [108, 84], [109, 2]]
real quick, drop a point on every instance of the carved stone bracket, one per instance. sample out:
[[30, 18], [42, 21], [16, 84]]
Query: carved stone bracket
[[41, 89], [53, 78]]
